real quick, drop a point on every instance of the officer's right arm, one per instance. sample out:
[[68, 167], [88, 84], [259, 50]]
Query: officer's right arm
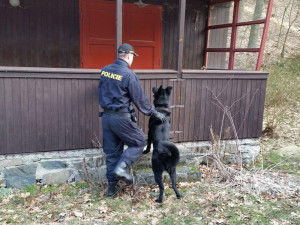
[[139, 97]]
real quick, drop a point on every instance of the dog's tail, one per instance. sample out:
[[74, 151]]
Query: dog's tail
[[171, 151]]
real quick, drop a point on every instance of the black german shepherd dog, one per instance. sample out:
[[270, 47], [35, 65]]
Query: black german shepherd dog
[[165, 155]]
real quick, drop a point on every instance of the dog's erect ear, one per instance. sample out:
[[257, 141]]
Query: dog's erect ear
[[169, 88], [159, 90], [154, 90]]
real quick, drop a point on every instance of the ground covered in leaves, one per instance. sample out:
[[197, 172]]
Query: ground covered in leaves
[[252, 195], [205, 202]]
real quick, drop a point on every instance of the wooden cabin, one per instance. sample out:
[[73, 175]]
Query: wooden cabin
[[51, 52]]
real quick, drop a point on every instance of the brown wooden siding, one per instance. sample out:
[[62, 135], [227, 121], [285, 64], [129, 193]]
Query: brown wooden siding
[[244, 91], [43, 33], [44, 109], [40, 33], [43, 114]]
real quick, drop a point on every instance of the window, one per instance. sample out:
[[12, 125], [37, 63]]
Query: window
[[236, 33]]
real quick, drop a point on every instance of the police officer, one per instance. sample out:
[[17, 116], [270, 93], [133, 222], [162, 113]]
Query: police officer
[[118, 87]]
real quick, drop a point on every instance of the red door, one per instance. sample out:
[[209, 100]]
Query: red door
[[141, 28]]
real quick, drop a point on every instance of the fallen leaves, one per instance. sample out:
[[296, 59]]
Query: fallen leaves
[[271, 184], [78, 214], [86, 198], [246, 196], [103, 208]]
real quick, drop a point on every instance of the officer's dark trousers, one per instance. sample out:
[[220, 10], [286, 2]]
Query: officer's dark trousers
[[118, 131]]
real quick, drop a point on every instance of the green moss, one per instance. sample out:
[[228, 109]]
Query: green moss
[[191, 167], [32, 189], [118, 205], [82, 185], [49, 189], [11, 221]]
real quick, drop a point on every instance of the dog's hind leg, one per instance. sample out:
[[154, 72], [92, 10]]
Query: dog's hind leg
[[172, 173], [159, 181]]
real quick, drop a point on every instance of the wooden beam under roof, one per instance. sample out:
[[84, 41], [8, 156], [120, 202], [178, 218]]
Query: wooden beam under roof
[[119, 6], [182, 6]]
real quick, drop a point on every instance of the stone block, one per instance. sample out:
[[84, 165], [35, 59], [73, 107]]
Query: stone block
[[75, 164], [93, 174], [75, 177], [12, 162], [96, 161], [144, 161], [201, 149], [60, 176], [191, 159], [181, 147], [248, 154], [194, 149], [231, 148], [90, 155], [250, 142], [101, 171], [145, 179], [20, 176], [203, 146], [52, 165], [189, 176]]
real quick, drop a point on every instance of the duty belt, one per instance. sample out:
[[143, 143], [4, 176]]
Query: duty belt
[[110, 112]]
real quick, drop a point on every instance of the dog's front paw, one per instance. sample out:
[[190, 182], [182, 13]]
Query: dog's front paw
[[146, 151]]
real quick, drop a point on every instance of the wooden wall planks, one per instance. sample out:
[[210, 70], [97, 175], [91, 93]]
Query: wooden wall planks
[[58, 109]]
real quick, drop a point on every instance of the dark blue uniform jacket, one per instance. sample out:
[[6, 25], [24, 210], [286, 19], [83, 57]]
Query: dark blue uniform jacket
[[118, 86]]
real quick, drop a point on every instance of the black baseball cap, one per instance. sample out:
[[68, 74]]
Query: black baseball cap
[[126, 48]]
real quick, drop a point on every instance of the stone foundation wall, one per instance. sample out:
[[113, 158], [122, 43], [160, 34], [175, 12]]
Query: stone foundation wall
[[21, 170], [227, 149]]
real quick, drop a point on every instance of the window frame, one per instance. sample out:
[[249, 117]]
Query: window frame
[[234, 26]]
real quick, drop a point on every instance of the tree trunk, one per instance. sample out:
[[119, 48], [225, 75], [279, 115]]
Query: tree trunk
[[255, 28], [282, 20], [291, 21]]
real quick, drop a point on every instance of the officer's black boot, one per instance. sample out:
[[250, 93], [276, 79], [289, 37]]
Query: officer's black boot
[[121, 171], [112, 189]]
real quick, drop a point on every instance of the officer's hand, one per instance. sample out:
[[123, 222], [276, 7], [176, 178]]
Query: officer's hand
[[160, 116]]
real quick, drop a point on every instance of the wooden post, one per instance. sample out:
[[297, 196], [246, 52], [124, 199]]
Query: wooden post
[[119, 6], [182, 5], [207, 37], [233, 34], [264, 36]]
